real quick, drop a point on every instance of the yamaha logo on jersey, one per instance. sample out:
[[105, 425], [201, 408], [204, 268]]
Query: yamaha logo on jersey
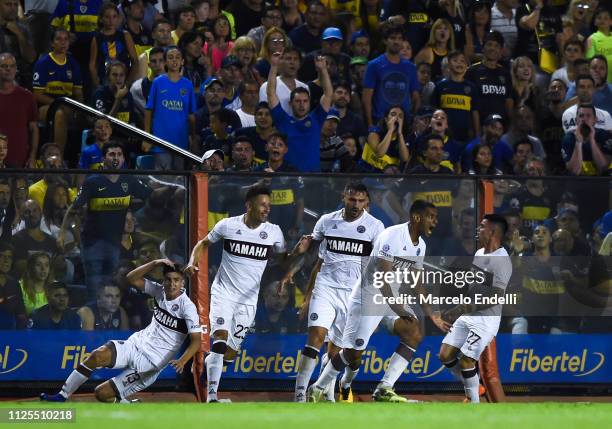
[[348, 246], [361, 229], [246, 249], [169, 320], [314, 316], [124, 187], [220, 321], [263, 235], [175, 307]]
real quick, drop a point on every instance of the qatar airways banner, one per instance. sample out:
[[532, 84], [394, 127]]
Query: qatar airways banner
[[52, 355]]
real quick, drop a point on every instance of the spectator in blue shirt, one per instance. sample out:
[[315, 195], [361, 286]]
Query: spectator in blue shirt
[[170, 112], [55, 314], [303, 128], [92, 157], [503, 155], [390, 80]]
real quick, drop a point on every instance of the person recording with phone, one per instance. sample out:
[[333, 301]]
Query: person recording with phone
[[587, 151]]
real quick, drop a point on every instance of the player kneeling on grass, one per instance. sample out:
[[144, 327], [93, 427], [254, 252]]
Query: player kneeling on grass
[[397, 248], [477, 324], [146, 353]]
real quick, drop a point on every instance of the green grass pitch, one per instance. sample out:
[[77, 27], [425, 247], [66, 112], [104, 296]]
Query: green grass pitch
[[333, 416]]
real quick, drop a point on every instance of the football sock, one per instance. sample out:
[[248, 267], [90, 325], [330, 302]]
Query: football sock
[[471, 384], [75, 380], [308, 361], [331, 371], [397, 364], [214, 367], [348, 377]]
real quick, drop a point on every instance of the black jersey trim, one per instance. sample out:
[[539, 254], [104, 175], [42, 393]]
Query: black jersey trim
[[168, 320]]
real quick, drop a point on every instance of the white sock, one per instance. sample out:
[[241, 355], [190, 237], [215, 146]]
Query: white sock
[[348, 377], [330, 373], [471, 384], [330, 391], [397, 365], [305, 370], [454, 368], [214, 367], [324, 362], [75, 380]]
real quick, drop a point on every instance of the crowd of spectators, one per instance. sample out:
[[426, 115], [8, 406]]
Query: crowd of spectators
[[393, 88]]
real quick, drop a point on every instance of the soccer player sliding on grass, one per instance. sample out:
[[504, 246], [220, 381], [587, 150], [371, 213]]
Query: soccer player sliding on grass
[[397, 248], [145, 354], [475, 325]]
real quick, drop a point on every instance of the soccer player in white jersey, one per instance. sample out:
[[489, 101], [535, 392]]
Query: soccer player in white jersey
[[397, 248], [145, 353], [347, 235], [248, 242], [477, 324]]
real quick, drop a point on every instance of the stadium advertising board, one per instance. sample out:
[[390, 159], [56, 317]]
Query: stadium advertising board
[[30, 356]]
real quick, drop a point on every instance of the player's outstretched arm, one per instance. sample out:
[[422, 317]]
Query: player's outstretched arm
[[136, 276], [192, 265], [195, 339]]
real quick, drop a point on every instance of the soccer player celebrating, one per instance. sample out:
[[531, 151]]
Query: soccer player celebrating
[[146, 353], [397, 248], [248, 241], [349, 234], [477, 324]]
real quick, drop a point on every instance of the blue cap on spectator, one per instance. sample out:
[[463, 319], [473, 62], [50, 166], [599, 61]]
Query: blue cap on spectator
[[332, 33], [231, 60], [606, 224], [212, 80], [333, 114], [357, 34]]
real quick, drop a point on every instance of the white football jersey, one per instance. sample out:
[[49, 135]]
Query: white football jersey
[[345, 245], [498, 270], [171, 323], [395, 245], [245, 255]]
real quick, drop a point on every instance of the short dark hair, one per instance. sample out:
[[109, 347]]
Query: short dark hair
[[58, 30], [160, 22], [262, 105], [156, 50], [242, 138], [423, 64], [171, 48], [5, 246], [356, 187], [430, 137], [293, 50], [55, 285], [175, 268], [587, 106], [573, 42], [298, 90], [224, 115], [110, 145], [342, 84], [584, 77], [243, 83], [498, 220], [454, 54], [419, 207], [581, 61], [256, 190], [389, 30], [523, 141], [599, 57], [279, 135]]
